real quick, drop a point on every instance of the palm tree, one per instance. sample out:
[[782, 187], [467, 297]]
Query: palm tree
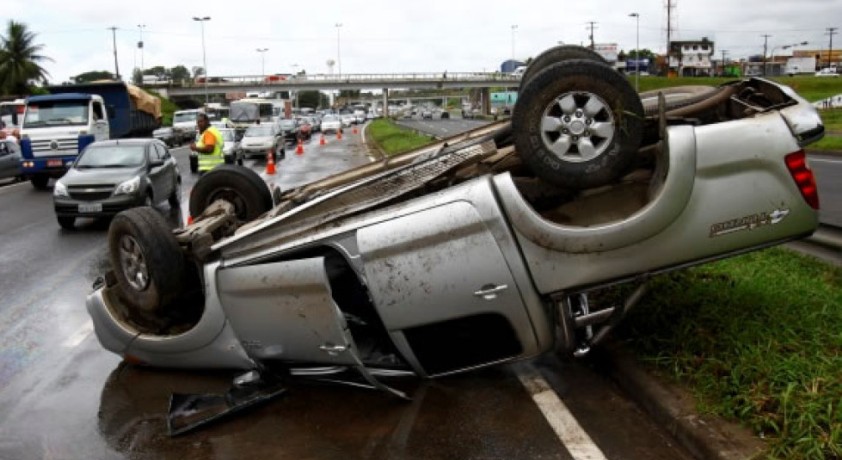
[[20, 60]]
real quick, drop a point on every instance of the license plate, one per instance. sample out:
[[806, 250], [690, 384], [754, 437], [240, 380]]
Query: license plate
[[54, 163], [91, 207]]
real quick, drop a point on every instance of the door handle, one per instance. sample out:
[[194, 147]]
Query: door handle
[[489, 291]]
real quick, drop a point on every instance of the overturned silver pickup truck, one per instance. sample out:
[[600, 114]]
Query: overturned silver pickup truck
[[477, 250]]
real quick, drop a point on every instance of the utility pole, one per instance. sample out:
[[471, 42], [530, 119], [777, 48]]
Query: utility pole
[[114, 40], [830, 31], [670, 6], [765, 44], [723, 61], [591, 26]]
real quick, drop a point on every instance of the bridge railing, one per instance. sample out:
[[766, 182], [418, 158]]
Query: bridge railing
[[262, 80]]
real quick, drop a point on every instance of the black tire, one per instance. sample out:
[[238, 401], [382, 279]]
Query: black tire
[[39, 182], [146, 259], [555, 55], [573, 148], [242, 187], [66, 222]]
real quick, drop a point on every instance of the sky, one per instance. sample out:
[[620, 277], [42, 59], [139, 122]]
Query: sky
[[394, 36]]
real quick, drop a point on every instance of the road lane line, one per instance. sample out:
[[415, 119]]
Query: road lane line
[[8, 188], [568, 430], [81, 334], [825, 160]]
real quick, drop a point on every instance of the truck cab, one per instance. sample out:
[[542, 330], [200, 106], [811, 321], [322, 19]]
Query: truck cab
[[55, 128]]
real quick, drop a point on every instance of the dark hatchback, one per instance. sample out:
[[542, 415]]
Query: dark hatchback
[[111, 176]]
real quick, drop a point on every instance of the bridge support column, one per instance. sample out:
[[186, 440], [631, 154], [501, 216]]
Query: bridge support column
[[485, 101], [386, 102]]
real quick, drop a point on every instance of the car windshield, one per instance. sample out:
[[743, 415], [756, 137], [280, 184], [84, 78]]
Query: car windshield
[[57, 113], [258, 131], [184, 117], [330, 118], [227, 134], [287, 124], [112, 156]]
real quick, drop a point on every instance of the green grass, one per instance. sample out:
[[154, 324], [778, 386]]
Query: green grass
[[809, 87], [394, 139], [168, 107], [828, 144], [758, 338]]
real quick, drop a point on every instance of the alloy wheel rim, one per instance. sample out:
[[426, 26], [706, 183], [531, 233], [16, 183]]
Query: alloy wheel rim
[[577, 127], [133, 263]]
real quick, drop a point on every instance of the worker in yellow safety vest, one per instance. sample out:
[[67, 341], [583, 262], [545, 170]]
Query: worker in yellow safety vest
[[208, 144]]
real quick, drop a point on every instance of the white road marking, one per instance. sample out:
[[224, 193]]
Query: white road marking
[[568, 430], [813, 160], [81, 334], [9, 188]]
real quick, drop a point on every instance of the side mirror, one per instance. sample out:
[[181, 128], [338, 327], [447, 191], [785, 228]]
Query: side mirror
[[156, 164]]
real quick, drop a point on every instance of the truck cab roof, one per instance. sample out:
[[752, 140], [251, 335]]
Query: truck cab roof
[[60, 97]]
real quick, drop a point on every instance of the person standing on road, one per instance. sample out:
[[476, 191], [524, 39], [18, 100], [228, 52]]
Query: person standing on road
[[209, 144]]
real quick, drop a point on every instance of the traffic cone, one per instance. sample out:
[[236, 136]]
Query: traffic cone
[[300, 149], [339, 134], [354, 131], [270, 163], [322, 140]]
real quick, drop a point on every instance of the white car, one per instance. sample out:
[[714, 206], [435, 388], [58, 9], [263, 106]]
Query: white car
[[331, 123], [828, 72], [259, 139], [348, 119]]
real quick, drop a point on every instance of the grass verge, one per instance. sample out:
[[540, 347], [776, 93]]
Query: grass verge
[[758, 339], [394, 139]]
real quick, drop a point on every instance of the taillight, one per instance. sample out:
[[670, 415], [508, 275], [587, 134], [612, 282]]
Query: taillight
[[797, 164]]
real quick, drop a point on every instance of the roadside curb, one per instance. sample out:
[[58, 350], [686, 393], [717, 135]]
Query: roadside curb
[[704, 436], [373, 147]]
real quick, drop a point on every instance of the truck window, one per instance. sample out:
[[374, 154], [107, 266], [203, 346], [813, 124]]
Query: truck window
[[58, 113], [98, 113]]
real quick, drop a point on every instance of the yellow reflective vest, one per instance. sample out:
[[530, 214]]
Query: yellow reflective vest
[[208, 161]]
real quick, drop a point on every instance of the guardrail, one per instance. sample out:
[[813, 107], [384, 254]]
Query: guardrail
[[267, 81]]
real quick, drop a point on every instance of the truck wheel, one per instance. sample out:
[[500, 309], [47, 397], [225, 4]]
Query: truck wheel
[[40, 182], [578, 124], [146, 259], [555, 55], [242, 187]]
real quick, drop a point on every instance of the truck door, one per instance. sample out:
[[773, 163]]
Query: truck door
[[99, 128]]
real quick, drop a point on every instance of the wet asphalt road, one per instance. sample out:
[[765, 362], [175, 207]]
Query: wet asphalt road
[[63, 397]]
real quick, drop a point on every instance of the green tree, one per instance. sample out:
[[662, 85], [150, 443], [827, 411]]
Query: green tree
[[137, 77], [179, 73], [158, 71], [313, 99], [198, 71], [20, 60], [93, 75]]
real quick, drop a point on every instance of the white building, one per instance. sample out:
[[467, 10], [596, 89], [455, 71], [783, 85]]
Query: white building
[[691, 58]]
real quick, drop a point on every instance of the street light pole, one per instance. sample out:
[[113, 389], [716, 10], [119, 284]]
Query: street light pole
[[338, 49], [262, 62], [204, 56], [637, 54], [140, 45], [514, 28], [295, 74]]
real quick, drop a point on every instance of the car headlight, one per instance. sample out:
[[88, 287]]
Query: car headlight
[[129, 186], [60, 190]]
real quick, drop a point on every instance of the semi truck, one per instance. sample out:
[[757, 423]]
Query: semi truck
[[58, 126]]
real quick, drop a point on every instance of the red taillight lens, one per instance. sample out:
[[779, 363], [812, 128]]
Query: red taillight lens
[[797, 164]]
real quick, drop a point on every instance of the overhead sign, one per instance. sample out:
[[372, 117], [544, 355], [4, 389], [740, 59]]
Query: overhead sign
[[608, 51]]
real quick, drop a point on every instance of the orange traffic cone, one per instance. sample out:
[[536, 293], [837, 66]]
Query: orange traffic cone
[[354, 130], [270, 162], [322, 140], [300, 149], [339, 134]]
